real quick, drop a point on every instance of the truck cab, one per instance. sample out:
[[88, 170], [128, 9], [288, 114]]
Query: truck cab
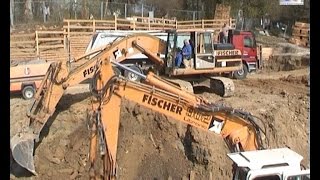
[[270, 164], [245, 41]]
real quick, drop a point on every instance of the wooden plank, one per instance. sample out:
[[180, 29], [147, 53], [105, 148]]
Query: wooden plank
[[84, 46], [50, 32], [51, 39], [22, 55], [23, 50], [22, 42], [79, 33], [105, 27], [75, 43], [54, 54], [301, 24], [80, 27], [79, 42], [21, 47], [298, 41], [51, 46], [22, 35], [23, 58], [37, 43], [301, 38], [300, 35], [302, 32], [79, 36], [84, 20], [19, 58]]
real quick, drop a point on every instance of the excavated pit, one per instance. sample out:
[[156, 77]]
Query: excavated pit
[[152, 146]]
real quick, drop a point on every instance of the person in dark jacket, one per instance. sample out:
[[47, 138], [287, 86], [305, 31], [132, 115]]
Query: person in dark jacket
[[185, 53]]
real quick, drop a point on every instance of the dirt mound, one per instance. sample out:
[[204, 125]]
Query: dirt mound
[[287, 62], [297, 80], [287, 57], [152, 146]]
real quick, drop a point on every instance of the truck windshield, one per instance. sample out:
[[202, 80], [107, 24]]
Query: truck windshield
[[249, 42]]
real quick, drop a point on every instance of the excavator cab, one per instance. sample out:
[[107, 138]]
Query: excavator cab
[[205, 58], [202, 56]]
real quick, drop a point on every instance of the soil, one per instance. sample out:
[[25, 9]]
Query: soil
[[153, 146]]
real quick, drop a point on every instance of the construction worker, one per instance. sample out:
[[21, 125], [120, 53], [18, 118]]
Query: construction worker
[[225, 31], [185, 53]]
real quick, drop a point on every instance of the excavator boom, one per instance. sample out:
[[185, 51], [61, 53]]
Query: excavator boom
[[60, 76], [237, 127]]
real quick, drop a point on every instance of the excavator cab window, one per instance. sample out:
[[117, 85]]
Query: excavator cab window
[[175, 44], [204, 51], [204, 43], [171, 49]]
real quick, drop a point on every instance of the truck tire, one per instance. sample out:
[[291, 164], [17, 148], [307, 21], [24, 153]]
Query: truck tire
[[241, 74], [28, 92], [131, 76]]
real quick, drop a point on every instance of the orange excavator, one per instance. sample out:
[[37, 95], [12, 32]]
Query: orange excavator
[[239, 129]]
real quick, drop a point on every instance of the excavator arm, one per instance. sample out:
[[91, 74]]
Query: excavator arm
[[237, 127], [60, 76], [157, 94]]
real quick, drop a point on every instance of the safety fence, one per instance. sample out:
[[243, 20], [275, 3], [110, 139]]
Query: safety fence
[[141, 23], [48, 45], [75, 35]]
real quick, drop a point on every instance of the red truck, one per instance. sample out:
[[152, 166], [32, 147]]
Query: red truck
[[245, 41]]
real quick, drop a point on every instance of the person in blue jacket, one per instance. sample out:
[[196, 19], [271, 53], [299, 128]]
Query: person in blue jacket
[[184, 53]]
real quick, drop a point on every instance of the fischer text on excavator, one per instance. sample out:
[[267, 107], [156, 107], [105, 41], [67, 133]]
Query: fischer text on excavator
[[238, 128]]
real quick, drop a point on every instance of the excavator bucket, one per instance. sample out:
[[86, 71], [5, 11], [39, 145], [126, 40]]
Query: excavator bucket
[[22, 146]]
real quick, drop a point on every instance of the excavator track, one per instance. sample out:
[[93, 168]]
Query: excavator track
[[222, 86], [184, 85]]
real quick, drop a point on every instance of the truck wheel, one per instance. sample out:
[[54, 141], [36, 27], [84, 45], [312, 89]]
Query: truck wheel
[[28, 92], [131, 76], [242, 73]]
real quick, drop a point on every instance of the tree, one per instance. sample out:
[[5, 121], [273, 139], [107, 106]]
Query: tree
[[85, 10], [28, 10], [11, 12]]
